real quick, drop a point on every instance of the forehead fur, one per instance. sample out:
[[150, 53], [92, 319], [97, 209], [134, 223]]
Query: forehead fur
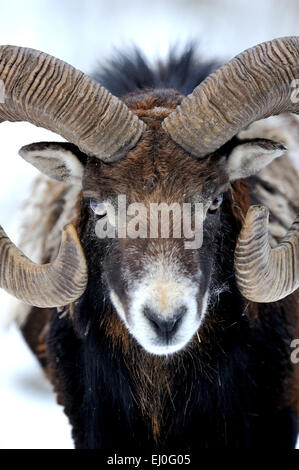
[[156, 165]]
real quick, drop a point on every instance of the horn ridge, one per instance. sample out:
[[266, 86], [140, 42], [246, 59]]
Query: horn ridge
[[55, 284], [266, 274], [254, 85], [52, 94]]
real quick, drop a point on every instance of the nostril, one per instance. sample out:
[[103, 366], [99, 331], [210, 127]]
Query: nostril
[[152, 317], [180, 312], [164, 327]]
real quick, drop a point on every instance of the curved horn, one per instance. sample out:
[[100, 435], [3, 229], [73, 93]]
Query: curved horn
[[50, 93], [256, 84], [266, 274], [56, 284]]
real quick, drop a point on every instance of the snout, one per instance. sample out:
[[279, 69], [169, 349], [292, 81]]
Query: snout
[[163, 308], [165, 329], [164, 314]]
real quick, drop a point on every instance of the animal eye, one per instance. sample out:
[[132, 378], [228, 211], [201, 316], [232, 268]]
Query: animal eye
[[216, 204], [98, 208]]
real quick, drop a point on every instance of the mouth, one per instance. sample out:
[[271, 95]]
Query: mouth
[[164, 349]]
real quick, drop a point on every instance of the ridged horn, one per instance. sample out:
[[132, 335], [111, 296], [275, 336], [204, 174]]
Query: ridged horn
[[50, 93], [266, 274], [254, 85], [56, 284]]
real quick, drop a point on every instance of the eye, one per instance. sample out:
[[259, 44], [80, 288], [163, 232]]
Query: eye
[[216, 204], [98, 208]]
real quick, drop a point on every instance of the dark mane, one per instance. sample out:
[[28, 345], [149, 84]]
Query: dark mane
[[127, 73]]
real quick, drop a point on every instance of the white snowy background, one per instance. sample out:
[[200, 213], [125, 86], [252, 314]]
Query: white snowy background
[[82, 32]]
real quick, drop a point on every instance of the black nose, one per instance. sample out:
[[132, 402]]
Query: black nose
[[165, 328]]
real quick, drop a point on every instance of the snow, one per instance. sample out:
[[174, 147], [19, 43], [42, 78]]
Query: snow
[[81, 33], [30, 417]]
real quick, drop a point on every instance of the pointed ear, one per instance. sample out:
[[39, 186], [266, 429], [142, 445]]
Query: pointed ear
[[250, 157], [58, 160]]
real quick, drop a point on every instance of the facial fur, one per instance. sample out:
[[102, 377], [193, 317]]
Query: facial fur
[[160, 284], [159, 289]]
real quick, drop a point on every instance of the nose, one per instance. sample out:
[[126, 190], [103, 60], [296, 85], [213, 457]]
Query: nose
[[165, 328]]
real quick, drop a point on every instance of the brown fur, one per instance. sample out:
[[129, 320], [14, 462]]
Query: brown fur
[[35, 332]]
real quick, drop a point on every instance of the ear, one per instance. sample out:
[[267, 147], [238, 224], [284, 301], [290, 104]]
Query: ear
[[58, 160], [250, 157]]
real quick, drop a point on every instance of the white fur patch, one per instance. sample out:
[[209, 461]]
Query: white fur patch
[[118, 305]]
